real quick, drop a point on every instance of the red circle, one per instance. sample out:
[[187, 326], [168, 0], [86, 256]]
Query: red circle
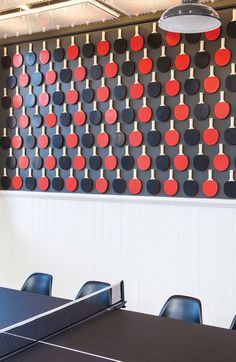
[[111, 69], [80, 73], [172, 137], [103, 47], [24, 80], [181, 162], [136, 90], [51, 120], [79, 162], [44, 99], [135, 186], [101, 185], [221, 162], [71, 184], [137, 43], [222, 112], [110, 162], [17, 60], [73, 52], [50, 162], [44, 56], [182, 61], [135, 138], [181, 112], [222, 57], [43, 141], [145, 65], [43, 183], [72, 96], [103, 94], [103, 139], [111, 116], [213, 34], [211, 136], [172, 87], [211, 84], [72, 140], [17, 182], [145, 114], [79, 118], [210, 188], [144, 162], [171, 187], [51, 77], [172, 39], [16, 142], [23, 121], [17, 101], [23, 162]]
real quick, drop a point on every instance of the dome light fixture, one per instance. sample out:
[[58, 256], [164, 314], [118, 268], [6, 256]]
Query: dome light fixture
[[190, 17]]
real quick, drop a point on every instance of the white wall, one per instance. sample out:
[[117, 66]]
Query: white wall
[[158, 246]]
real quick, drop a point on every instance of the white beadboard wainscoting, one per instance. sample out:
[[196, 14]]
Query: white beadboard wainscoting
[[159, 247]]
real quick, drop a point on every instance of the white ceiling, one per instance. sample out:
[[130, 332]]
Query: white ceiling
[[70, 13]]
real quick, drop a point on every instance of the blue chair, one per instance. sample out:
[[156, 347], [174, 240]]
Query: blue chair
[[39, 283], [233, 324], [183, 308], [93, 286]]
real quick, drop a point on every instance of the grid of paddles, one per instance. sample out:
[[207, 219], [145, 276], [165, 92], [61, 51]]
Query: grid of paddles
[[80, 136]]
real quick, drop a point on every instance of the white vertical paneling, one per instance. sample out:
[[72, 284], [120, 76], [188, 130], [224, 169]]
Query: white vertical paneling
[[158, 248]]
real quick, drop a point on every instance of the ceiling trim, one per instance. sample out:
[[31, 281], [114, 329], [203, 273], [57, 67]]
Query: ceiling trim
[[118, 22]]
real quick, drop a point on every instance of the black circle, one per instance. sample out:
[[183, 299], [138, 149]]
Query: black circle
[[153, 187], [191, 188], [120, 45], [119, 185]]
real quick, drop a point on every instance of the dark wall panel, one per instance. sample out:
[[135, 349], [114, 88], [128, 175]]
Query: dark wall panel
[[143, 118]]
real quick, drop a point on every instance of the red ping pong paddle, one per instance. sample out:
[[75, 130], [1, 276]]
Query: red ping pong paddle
[[23, 119], [103, 46], [17, 59], [44, 97], [72, 139], [43, 140], [102, 183], [181, 160], [111, 68], [222, 55], [79, 160], [24, 78], [72, 95], [23, 160], [73, 50], [211, 83], [103, 92], [136, 88], [145, 64], [182, 110], [111, 113], [211, 134], [44, 55], [135, 136], [182, 60], [80, 116], [71, 182], [51, 118], [103, 137], [145, 112], [135, 184], [172, 85], [51, 75], [172, 136], [172, 39], [50, 160], [213, 35], [171, 186], [222, 108], [80, 72], [221, 161], [137, 41], [17, 100], [43, 182], [144, 160], [17, 140], [210, 187], [17, 181], [110, 160]]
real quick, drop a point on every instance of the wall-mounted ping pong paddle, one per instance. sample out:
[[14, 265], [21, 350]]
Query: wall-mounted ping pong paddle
[[5, 180], [154, 87], [163, 111], [213, 35], [153, 184], [73, 50], [72, 96], [17, 181], [17, 59], [103, 46], [153, 136], [137, 40], [145, 112], [162, 160], [86, 182], [17, 100], [136, 89], [230, 186], [110, 160], [95, 115], [191, 135], [23, 160], [43, 139], [212, 82], [120, 44], [171, 186], [95, 160], [101, 183], [135, 184], [144, 160], [120, 90], [201, 109], [221, 161], [135, 136], [119, 184], [181, 160], [43, 182], [172, 38], [51, 75], [103, 137], [111, 68], [71, 182], [11, 79], [163, 62], [50, 160], [231, 26], [111, 113], [181, 110], [222, 108], [79, 116], [172, 85], [103, 92], [191, 85], [51, 117], [88, 48], [72, 139], [145, 64], [210, 187], [172, 136], [127, 160], [80, 71], [30, 181], [190, 186], [57, 181], [24, 119], [17, 140], [79, 161], [44, 55], [202, 58], [211, 134], [154, 39], [223, 55], [182, 60], [230, 133]]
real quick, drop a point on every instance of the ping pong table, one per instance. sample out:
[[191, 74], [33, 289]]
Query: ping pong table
[[86, 331]]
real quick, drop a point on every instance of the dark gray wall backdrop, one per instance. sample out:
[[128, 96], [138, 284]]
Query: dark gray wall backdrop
[[191, 151]]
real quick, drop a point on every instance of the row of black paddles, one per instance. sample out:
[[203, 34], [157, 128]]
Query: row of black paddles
[[210, 187]]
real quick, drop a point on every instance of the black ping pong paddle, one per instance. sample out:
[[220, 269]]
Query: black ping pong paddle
[[86, 182], [127, 160], [36, 118], [37, 161], [154, 39], [154, 87], [64, 160], [5, 140], [57, 181], [202, 58], [191, 85], [230, 186], [190, 186], [162, 160], [88, 48], [87, 138], [5, 59], [11, 161], [230, 81], [201, 161], [5, 180], [230, 133], [58, 52], [191, 135], [163, 111], [119, 137], [120, 44], [30, 181], [153, 185], [163, 62], [119, 184], [153, 136], [95, 160], [120, 90]]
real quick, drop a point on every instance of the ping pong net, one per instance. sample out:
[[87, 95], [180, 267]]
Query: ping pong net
[[35, 329]]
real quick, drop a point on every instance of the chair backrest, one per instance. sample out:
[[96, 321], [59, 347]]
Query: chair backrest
[[93, 286], [183, 308], [40, 283], [233, 324]]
